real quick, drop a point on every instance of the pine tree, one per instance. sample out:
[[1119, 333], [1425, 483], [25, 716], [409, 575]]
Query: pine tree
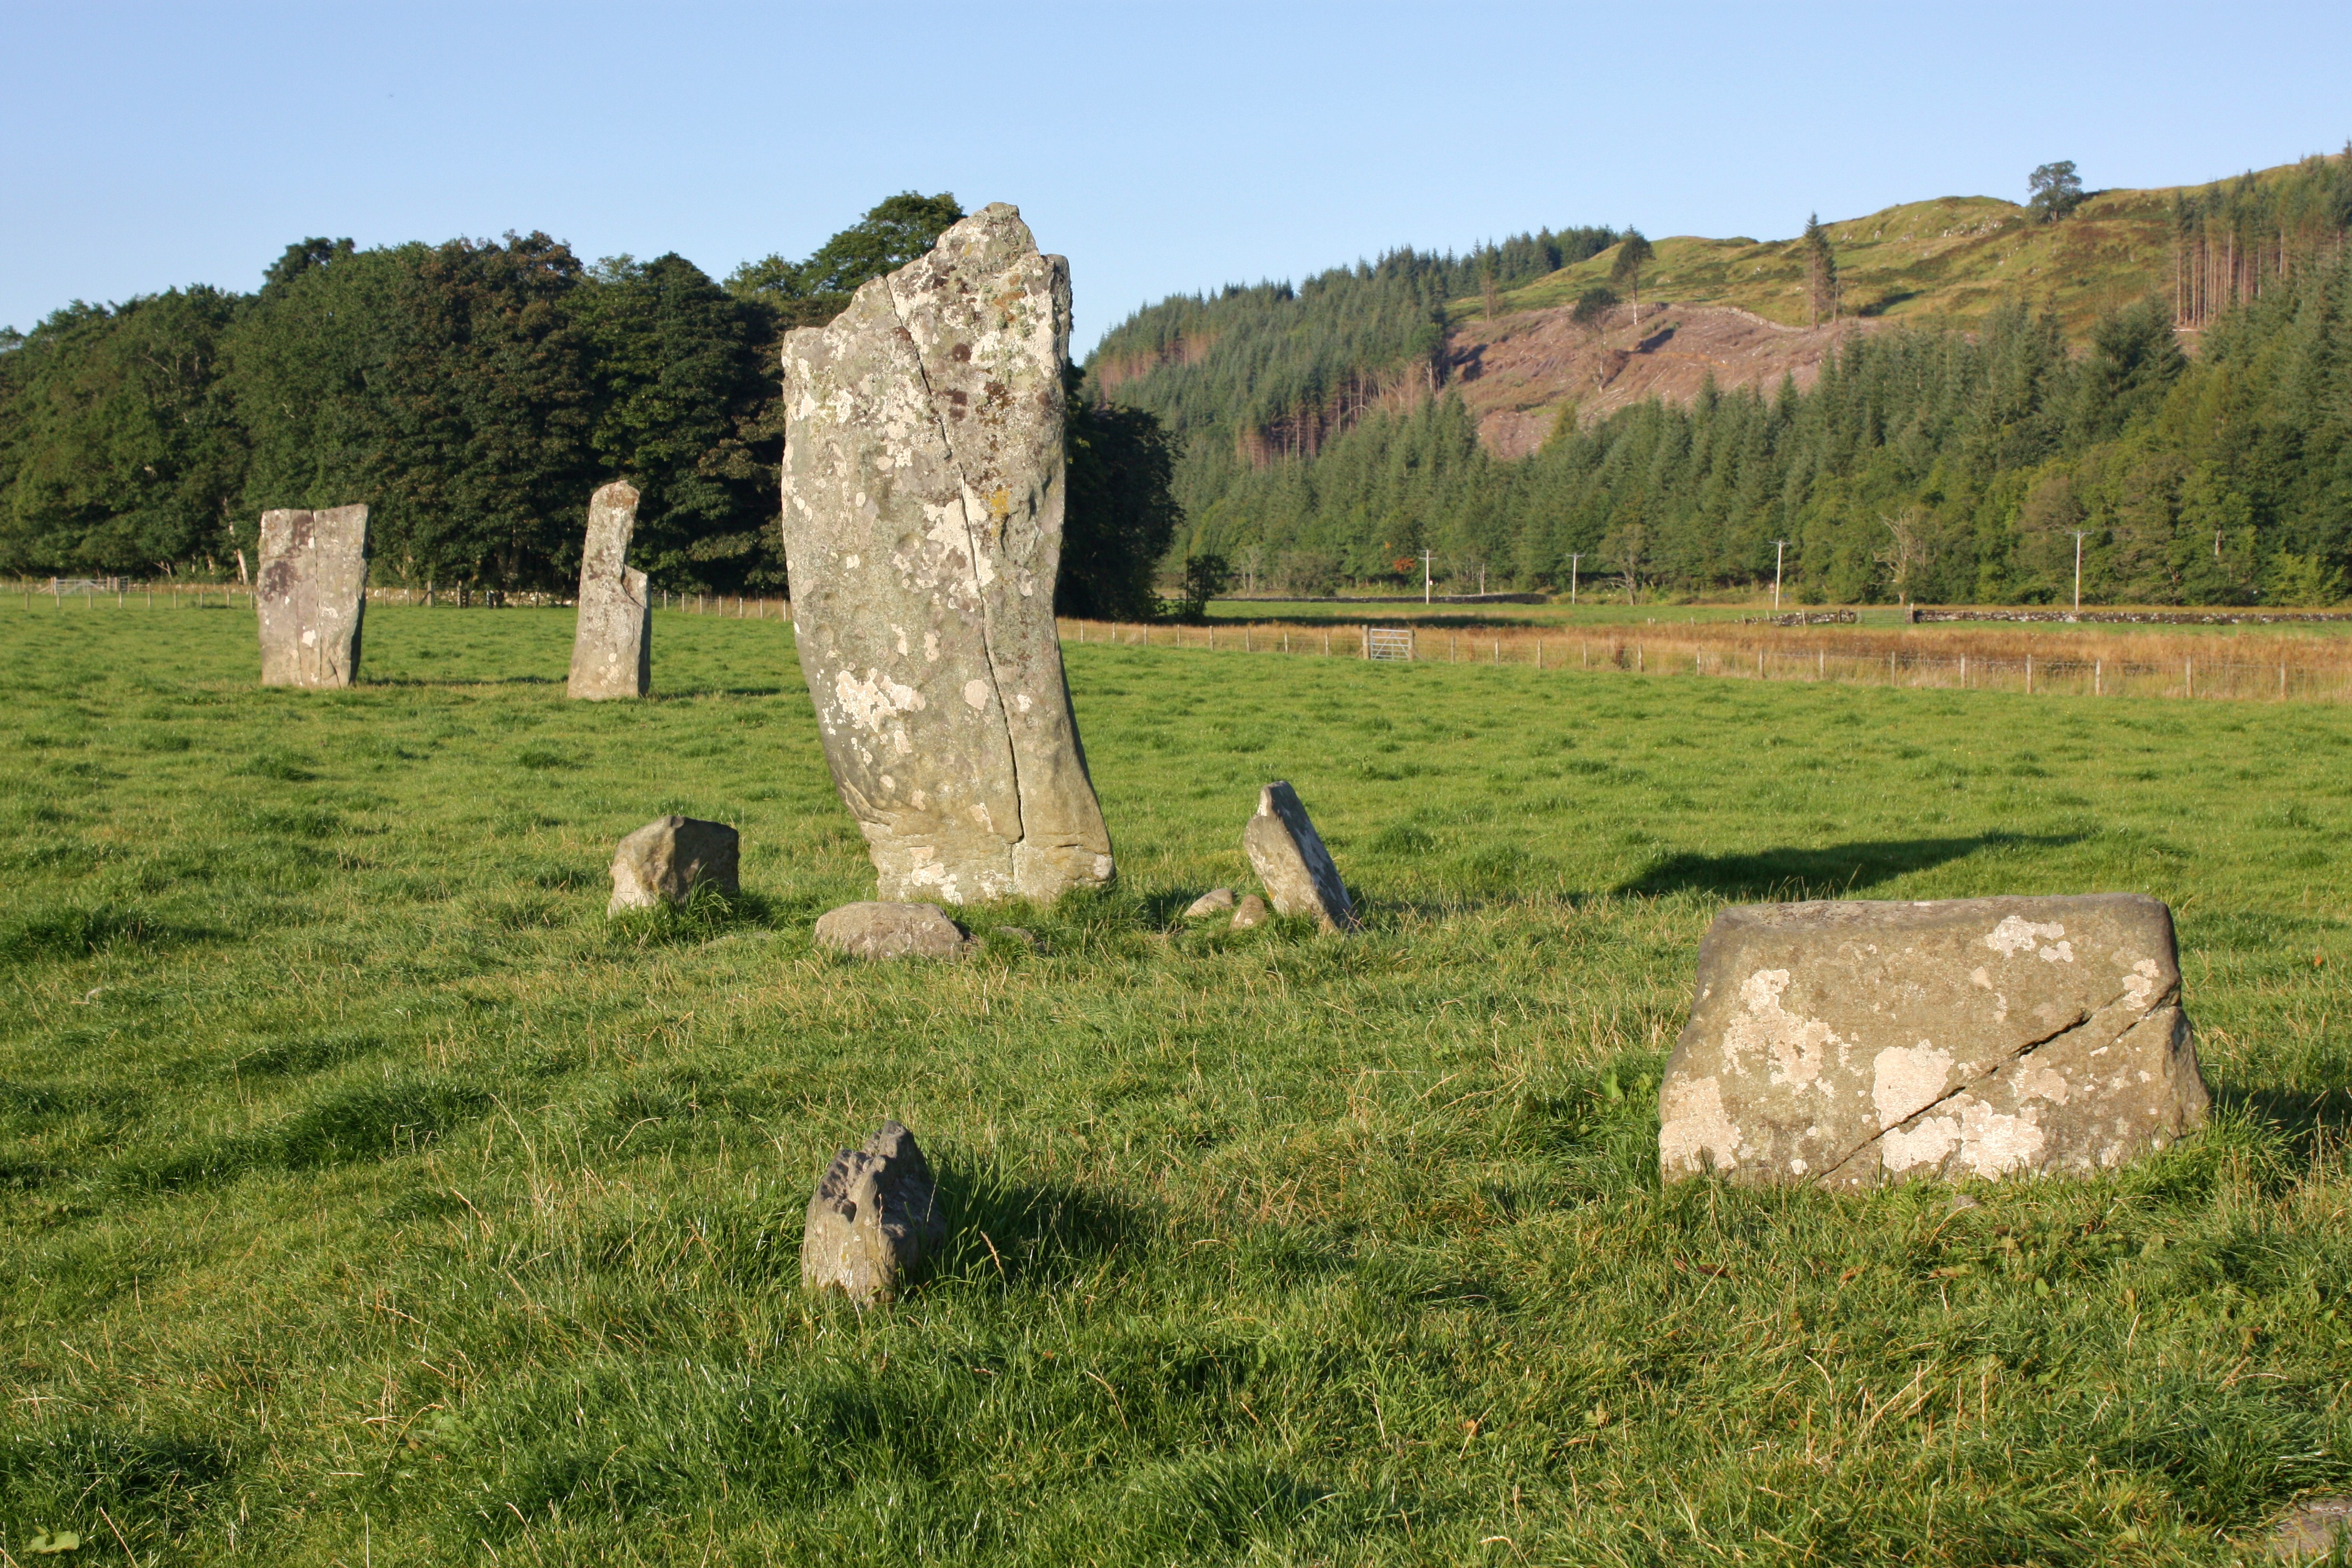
[[1821, 271]]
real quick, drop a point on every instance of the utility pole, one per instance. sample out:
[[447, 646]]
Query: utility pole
[[1424, 576], [2078, 570], [1572, 560], [1778, 545]]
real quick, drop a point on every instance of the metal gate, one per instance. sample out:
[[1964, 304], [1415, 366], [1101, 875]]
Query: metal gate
[[1387, 642]]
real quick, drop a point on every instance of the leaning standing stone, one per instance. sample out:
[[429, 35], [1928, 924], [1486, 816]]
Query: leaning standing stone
[[923, 524], [312, 592], [879, 930], [1848, 1043], [1290, 859], [874, 1220], [664, 861], [613, 650]]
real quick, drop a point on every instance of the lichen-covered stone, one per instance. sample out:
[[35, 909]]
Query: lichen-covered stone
[[311, 596], [875, 930], [874, 1220], [1251, 914], [613, 650], [1848, 1044], [664, 861], [1288, 855], [922, 525]]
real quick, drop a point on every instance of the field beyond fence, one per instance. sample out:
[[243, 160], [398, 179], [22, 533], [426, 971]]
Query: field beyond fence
[[2088, 664], [2010, 656]]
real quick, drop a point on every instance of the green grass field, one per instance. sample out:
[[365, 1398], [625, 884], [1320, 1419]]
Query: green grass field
[[369, 1199]]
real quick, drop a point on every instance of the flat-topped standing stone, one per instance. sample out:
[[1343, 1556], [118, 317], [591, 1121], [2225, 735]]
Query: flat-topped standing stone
[[1847, 1043], [612, 651], [874, 1220], [1288, 855], [923, 524], [312, 592], [664, 861]]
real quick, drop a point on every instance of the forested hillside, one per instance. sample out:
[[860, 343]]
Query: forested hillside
[[473, 393], [1949, 457]]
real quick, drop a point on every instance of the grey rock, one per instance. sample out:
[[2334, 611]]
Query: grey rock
[[613, 650], [1850, 1044], [879, 930], [1216, 901], [1252, 914], [669, 858], [874, 1220], [312, 593], [1290, 859], [922, 526], [1022, 935], [2312, 1528]]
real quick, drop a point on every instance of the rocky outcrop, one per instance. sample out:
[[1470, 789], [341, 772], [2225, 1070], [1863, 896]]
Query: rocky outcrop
[[1848, 1043], [923, 524]]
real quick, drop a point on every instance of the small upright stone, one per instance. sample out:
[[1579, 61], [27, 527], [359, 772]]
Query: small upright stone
[[874, 1220], [1847, 1043], [874, 931], [1252, 914], [613, 650], [1216, 901], [311, 592], [1290, 859], [669, 858]]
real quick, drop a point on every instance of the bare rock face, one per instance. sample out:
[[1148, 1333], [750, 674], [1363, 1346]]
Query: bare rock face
[[873, 1221], [1848, 1043], [612, 651], [312, 593], [879, 930], [664, 861], [1288, 855], [922, 523]]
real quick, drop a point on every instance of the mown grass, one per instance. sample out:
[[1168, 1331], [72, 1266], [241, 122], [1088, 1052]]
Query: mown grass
[[367, 1196]]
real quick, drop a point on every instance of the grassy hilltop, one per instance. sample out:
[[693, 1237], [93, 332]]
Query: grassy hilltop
[[367, 1196]]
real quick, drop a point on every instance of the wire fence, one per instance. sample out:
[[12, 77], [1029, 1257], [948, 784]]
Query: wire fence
[[2308, 671], [2190, 676]]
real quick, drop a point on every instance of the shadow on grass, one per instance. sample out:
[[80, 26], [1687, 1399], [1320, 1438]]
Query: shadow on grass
[[1007, 1233], [1834, 872], [2303, 1115]]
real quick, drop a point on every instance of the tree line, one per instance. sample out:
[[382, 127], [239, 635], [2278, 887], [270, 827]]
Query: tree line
[[1931, 464], [473, 393]]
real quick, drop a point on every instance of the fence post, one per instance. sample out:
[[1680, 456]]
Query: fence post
[[2281, 678], [2098, 678], [2190, 676], [1539, 653], [2029, 674]]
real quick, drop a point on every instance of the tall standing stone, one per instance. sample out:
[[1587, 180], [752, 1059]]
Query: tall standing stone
[[612, 651], [1846, 1044], [923, 524], [312, 592]]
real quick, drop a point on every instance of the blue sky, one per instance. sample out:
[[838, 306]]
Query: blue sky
[[1162, 148]]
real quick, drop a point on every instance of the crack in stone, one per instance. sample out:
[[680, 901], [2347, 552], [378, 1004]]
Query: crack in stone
[[987, 619], [2167, 999]]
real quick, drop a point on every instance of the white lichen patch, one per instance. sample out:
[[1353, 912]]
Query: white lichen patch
[[975, 694], [869, 703], [1928, 1144], [2044, 1083], [1993, 1143], [1905, 1081], [2016, 935], [2140, 985], [1694, 1122], [1796, 1045]]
